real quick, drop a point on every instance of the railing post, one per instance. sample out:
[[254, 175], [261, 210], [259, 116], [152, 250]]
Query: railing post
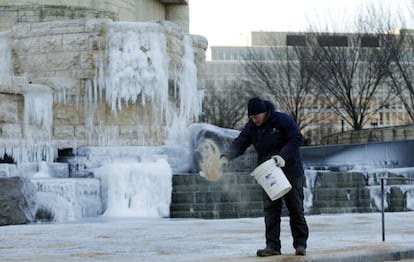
[[382, 209]]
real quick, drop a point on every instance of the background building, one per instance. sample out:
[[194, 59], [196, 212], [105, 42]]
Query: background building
[[228, 64]]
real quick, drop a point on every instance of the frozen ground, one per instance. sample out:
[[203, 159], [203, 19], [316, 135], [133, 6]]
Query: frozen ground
[[339, 237]]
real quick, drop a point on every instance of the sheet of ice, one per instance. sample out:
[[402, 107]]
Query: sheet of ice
[[137, 64], [37, 127], [337, 237], [43, 171], [190, 97], [55, 207], [374, 174], [310, 184], [178, 156], [136, 189], [410, 199], [71, 198], [376, 196], [38, 102], [5, 54]]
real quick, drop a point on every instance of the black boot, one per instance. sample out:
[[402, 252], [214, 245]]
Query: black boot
[[267, 252], [300, 251]]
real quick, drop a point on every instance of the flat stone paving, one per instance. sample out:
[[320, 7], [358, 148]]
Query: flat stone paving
[[338, 237]]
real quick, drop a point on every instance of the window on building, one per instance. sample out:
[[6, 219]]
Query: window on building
[[296, 40], [369, 41], [329, 40]]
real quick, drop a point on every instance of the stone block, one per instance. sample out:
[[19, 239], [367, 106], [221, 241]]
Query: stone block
[[36, 63], [58, 170], [71, 198], [11, 131], [8, 110], [396, 179], [193, 196], [8, 170], [183, 197], [339, 179], [50, 44], [61, 132], [396, 200], [28, 169], [75, 42], [17, 201], [63, 61]]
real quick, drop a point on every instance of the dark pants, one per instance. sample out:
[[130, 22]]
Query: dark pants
[[272, 213]]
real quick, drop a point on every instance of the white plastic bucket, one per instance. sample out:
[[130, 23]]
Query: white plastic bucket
[[272, 179]]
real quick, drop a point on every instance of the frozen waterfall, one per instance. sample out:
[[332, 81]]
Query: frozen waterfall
[[132, 67]]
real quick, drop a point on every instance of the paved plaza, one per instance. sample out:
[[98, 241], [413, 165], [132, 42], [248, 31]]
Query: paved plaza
[[337, 237]]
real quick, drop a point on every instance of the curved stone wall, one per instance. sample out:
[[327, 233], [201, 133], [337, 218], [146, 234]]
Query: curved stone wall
[[12, 12]]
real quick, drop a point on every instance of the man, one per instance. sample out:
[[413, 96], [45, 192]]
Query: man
[[275, 135]]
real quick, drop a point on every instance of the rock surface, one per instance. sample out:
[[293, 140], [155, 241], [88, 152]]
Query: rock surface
[[17, 200]]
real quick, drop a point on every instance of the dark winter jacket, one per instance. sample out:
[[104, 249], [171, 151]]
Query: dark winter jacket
[[279, 135]]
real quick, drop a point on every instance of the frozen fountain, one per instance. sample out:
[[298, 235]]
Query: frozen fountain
[[95, 112]]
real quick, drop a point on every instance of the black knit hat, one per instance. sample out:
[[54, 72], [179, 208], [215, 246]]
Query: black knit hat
[[256, 106]]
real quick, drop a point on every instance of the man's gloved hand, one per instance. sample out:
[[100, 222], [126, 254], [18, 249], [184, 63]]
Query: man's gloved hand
[[224, 161], [280, 162]]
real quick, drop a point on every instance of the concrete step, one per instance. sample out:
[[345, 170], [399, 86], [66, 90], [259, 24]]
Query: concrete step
[[336, 210], [235, 195], [350, 194], [339, 179], [238, 195]]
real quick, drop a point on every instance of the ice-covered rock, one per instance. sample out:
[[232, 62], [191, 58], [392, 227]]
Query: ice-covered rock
[[17, 200], [201, 133]]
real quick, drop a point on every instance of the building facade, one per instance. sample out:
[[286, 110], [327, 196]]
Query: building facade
[[228, 63]]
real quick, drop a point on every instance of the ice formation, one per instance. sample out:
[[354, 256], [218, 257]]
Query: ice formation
[[307, 191], [136, 189], [70, 198], [137, 64], [190, 97], [5, 54]]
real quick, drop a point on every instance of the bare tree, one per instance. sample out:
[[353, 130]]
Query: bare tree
[[283, 75], [351, 70], [225, 106], [402, 72]]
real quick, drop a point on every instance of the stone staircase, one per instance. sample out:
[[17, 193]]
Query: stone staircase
[[340, 192], [235, 195], [238, 195]]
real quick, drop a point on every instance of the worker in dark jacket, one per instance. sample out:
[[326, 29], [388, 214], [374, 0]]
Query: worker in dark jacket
[[275, 135]]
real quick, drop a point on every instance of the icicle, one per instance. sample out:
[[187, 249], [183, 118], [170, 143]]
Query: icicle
[[190, 97], [138, 64], [38, 101]]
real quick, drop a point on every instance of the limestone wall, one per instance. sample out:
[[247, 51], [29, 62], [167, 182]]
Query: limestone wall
[[12, 12], [63, 58]]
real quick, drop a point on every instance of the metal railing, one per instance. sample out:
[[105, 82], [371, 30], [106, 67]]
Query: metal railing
[[382, 200]]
